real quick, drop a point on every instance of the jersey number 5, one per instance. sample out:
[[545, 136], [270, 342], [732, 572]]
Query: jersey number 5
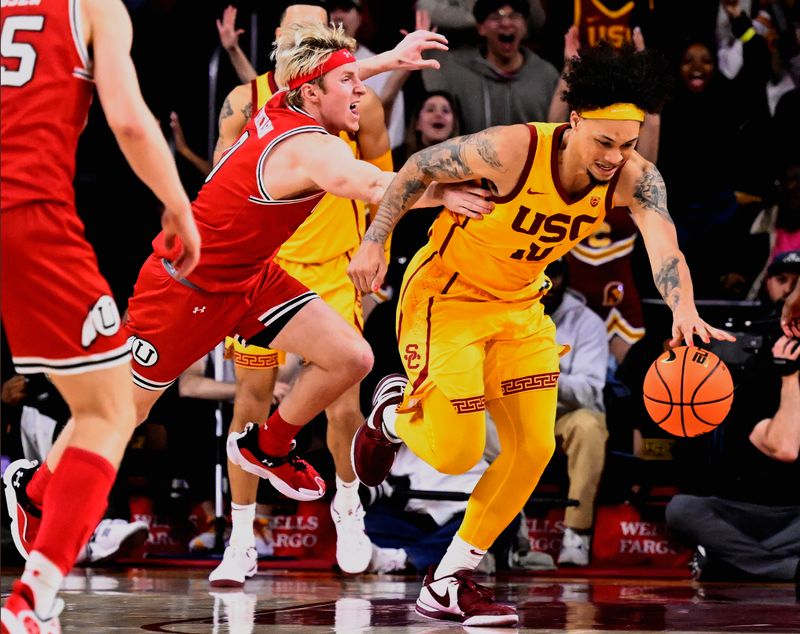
[[22, 51]]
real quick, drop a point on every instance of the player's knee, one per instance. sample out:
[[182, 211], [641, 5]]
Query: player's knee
[[458, 460], [680, 512], [536, 450], [357, 359]]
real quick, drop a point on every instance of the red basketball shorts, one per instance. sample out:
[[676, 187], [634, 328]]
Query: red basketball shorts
[[172, 325], [57, 309]]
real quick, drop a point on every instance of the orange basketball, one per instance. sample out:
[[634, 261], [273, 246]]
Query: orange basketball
[[688, 391]]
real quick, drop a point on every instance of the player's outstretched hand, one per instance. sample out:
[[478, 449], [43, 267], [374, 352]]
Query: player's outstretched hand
[[407, 54], [367, 269], [466, 199], [181, 234], [228, 33], [686, 324]]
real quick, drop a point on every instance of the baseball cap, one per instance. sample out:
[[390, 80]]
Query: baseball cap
[[786, 262]]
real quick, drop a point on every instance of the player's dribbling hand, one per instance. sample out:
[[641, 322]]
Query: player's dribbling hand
[[466, 199], [367, 269], [686, 324], [180, 231]]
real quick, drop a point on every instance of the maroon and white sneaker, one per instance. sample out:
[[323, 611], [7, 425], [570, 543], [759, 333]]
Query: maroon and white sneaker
[[458, 598], [289, 474], [25, 515], [19, 617], [372, 452]]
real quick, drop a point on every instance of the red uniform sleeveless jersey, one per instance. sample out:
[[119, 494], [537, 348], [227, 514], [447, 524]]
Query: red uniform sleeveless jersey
[[57, 309], [46, 91], [240, 223]]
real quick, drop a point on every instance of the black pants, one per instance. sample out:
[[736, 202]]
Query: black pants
[[760, 540]]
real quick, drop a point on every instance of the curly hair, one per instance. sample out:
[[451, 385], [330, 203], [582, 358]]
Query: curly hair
[[603, 75]]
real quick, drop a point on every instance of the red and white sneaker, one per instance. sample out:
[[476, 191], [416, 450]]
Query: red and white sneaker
[[458, 598], [19, 617], [25, 515], [372, 452], [289, 474]]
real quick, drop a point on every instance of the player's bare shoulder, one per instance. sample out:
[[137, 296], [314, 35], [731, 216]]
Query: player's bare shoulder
[[641, 186]]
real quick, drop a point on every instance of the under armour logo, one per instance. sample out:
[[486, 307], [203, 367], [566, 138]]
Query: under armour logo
[[199, 309], [17, 479]]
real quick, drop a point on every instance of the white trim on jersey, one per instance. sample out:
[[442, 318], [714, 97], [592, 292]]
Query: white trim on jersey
[[77, 37], [82, 74], [147, 384], [262, 188], [73, 365], [275, 313]]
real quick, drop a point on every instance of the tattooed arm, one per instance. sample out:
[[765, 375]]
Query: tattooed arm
[[458, 160], [466, 158], [233, 117], [647, 199]]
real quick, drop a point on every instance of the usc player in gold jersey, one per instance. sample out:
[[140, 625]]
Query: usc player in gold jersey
[[317, 254], [471, 327]]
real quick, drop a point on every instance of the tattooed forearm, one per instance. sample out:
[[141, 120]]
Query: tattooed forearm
[[651, 193], [668, 282], [399, 197]]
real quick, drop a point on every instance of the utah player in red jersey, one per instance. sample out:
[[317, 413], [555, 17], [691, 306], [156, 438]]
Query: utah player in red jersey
[[57, 309], [258, 193]]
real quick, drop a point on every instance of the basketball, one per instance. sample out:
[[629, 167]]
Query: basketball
[[688, 391]]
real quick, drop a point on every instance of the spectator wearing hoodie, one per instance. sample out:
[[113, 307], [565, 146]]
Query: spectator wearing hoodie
[[580, 417], [501, 82]]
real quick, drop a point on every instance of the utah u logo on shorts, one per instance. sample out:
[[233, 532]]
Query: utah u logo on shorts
[[103, 319], [143, 352], [412, 356]]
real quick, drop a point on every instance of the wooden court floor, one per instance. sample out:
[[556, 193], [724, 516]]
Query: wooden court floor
[[179, 600]]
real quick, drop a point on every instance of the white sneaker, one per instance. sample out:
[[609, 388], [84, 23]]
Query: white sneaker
[[236, 566], [114, 538], [574, 549], [385, 560], [353, 547]]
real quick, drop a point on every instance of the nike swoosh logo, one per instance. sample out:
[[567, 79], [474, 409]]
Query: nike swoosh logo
[[443, 600], [533, 193], [476, 553]]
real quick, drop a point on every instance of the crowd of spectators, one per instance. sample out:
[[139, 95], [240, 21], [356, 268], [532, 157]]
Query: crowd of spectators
[[728, 146]]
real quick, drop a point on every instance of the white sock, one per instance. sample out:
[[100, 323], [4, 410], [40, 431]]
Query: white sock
[[389, 422], [44, 579], [242, 518], [346, 494], [459, 556]]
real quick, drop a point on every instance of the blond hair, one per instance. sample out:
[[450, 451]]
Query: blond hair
[[301, 47]]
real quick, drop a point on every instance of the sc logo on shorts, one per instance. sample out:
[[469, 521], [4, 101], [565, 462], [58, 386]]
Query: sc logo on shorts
[[143, 352]]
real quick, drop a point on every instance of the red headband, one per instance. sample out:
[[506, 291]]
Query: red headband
[[339, 58]]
